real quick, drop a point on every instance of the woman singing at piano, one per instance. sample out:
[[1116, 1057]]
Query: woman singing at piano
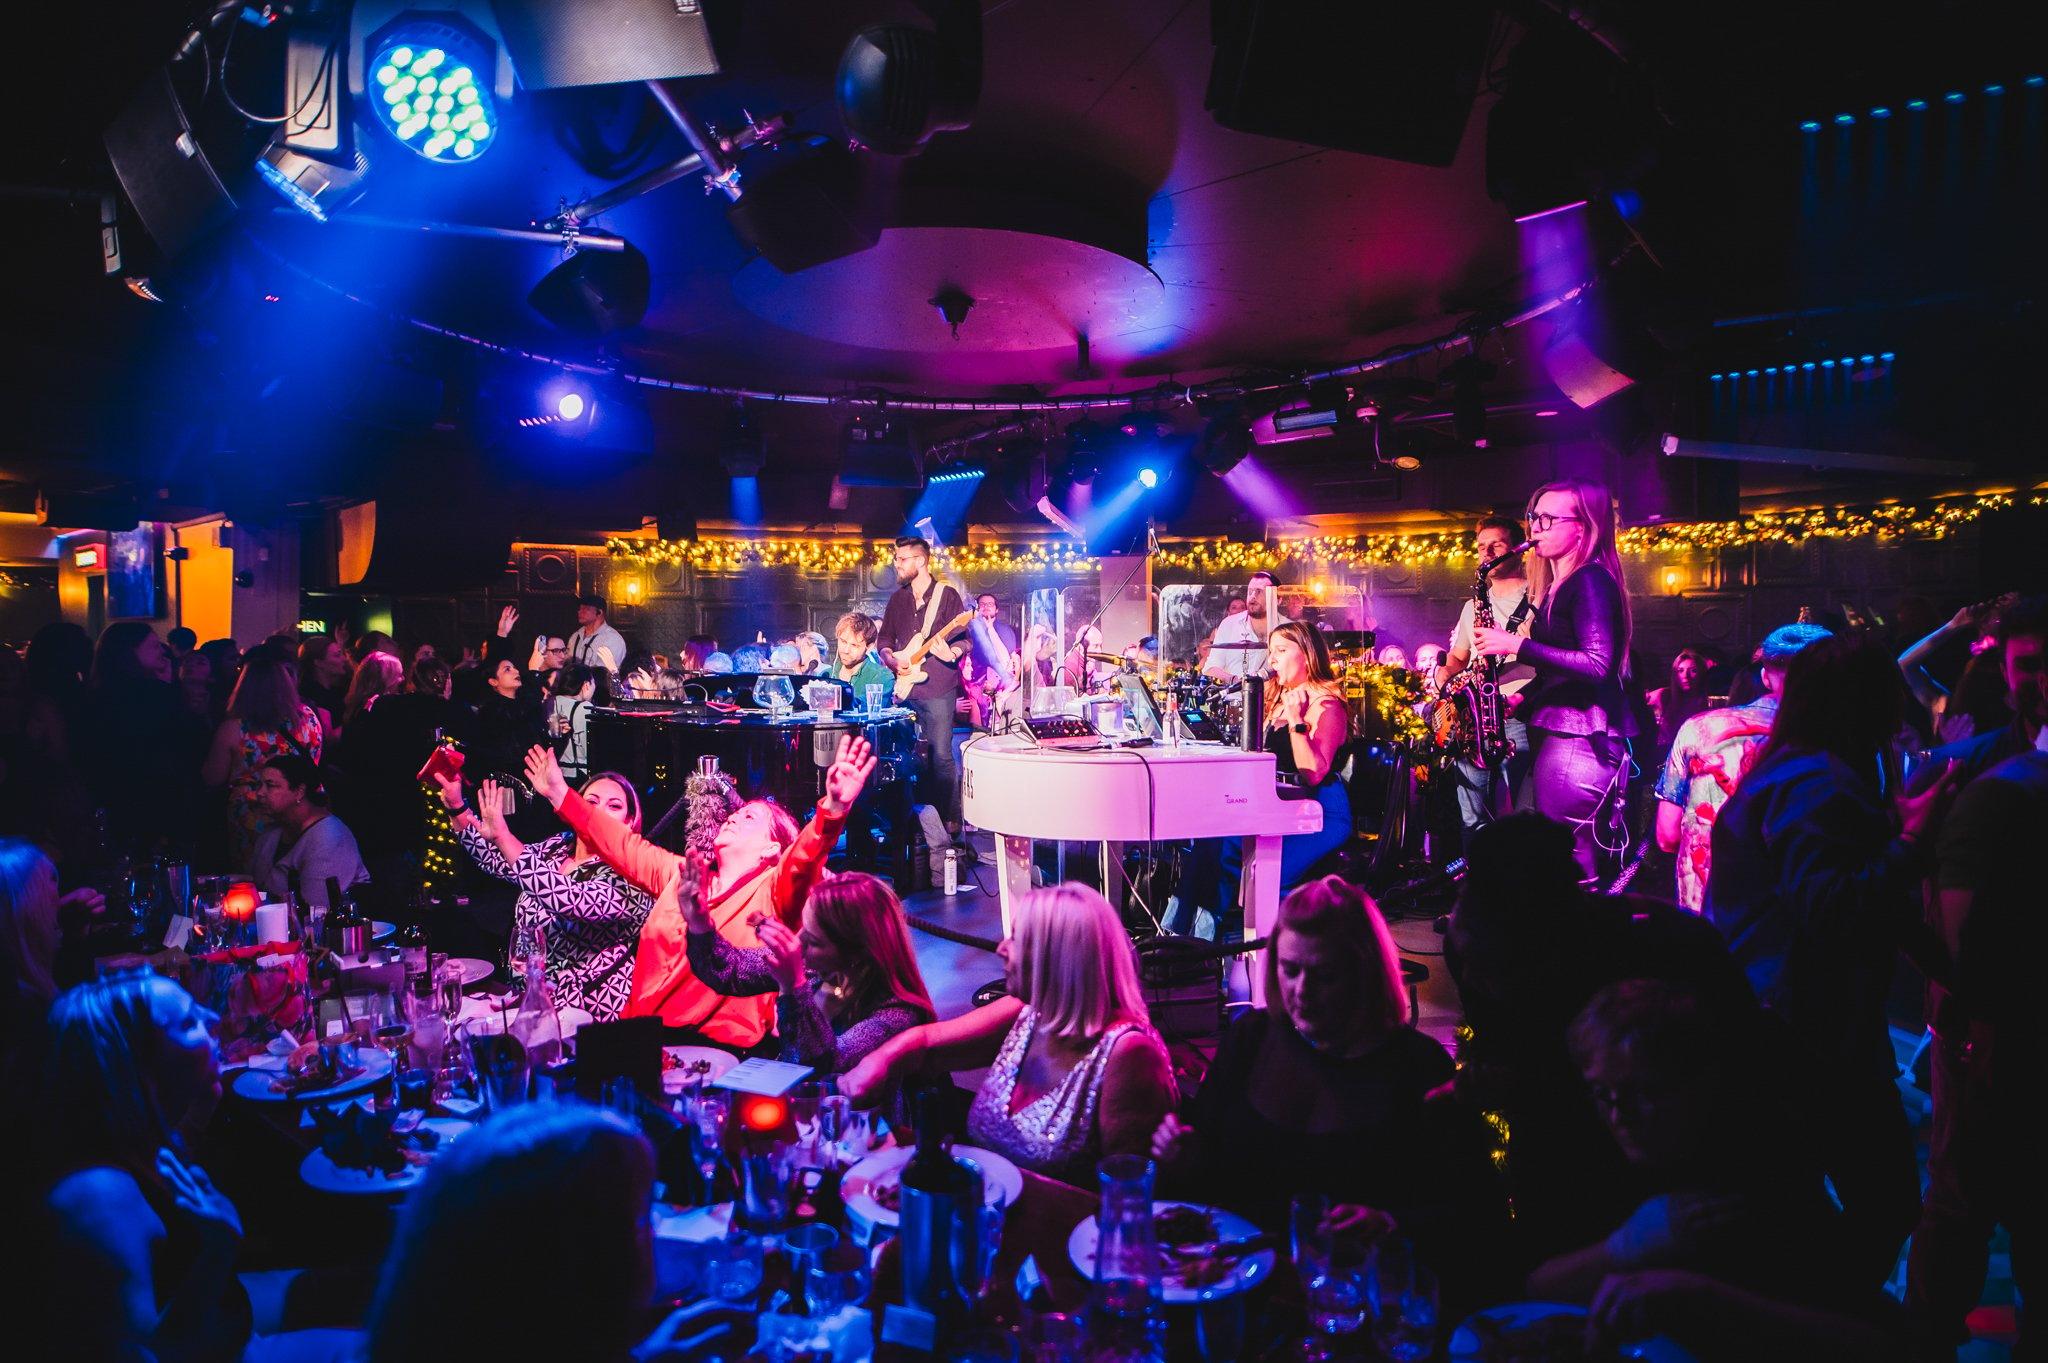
[[1579, 720]]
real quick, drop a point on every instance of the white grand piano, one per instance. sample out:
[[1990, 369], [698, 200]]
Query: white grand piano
[[1022, 793]]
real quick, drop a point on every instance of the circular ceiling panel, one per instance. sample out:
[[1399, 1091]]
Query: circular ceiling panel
[[1029, 292]]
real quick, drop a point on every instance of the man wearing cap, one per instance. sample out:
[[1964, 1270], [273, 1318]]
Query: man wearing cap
[[595, 643], [1709, 754]]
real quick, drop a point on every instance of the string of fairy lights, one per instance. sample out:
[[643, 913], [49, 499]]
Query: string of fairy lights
[[1933, 519]]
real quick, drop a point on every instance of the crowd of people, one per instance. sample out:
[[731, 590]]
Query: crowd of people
[[1676, 1105]]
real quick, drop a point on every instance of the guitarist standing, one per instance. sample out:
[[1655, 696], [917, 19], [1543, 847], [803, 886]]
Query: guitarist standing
[[919, 608]]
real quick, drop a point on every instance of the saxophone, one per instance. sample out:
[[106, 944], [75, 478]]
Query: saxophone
[[1474, 721]]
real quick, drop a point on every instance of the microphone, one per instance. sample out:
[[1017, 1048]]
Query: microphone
[[1486, 569]]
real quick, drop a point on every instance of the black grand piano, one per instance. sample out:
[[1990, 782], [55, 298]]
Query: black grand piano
[[783, 758]]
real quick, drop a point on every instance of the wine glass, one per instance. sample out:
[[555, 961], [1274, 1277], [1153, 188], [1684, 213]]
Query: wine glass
[[777, 693]]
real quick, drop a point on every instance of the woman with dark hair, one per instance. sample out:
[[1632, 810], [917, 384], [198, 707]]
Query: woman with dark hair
[[32, 915], [323, 677], [1323, 1091], [135, 1256], [139, 748], [589, 915], [583, 1173], [762, 867], [1815, 886], [1681, 697], [54, 670], [266, 719], [303, 837], [1578, 716], [1307, 726], [844, 982]]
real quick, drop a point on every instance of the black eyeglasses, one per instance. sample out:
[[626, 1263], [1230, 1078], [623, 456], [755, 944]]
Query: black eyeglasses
[[1540, 522]]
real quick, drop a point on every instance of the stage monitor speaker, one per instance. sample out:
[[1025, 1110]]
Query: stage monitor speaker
[[558, 43], [1376, 77], [167, 174]]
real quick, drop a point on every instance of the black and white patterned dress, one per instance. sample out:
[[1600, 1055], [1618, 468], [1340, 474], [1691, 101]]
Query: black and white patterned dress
[[592, 917]]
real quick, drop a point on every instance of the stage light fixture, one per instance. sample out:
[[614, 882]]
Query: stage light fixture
[[314, 186], [1084, 451], [1223, 444], [1021, 472], [429, 87], [742, 449], [1149, 477], [876, 450], [898, 85], [569, 406]]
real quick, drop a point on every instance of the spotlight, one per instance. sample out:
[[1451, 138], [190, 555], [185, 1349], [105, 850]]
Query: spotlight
[[875, 451], [1953, 97], [742, 450], [563, 406], [313, 186], [1880, 112], [898, 85], [1407, 463], [569, 406], [430, 84], [1810, 126], [1994, 89], [1149, 477], [594, 292], [1022, 474], [1084, 450], [1845, 120], [1224, 443]]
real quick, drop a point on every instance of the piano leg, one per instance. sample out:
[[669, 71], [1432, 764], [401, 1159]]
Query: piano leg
[[1013, 873], [1259, 896]]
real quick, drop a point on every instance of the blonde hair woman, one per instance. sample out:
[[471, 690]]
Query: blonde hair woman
[[1075, 1071], [1579, 720]]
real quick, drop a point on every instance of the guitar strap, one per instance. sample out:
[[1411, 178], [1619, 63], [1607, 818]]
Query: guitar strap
[[931, 609]]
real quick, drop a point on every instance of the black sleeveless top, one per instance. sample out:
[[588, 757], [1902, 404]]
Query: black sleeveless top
[[1280, 743]]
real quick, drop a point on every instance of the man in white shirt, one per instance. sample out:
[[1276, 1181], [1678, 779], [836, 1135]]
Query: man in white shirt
[[1226, 658], [595, 643], [1507, 591], [303, 836]]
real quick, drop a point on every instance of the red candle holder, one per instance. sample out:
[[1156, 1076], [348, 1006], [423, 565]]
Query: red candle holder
[[238, 905]]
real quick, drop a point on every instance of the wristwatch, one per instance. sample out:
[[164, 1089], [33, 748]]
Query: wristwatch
[[1301, 728]]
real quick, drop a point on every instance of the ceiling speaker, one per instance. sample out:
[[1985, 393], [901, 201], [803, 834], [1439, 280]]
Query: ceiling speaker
[[166, 173], [556, 43]]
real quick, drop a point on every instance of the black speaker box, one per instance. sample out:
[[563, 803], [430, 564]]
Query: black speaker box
[[1371, 76], [556, 43], [167, 173], [806, 210]]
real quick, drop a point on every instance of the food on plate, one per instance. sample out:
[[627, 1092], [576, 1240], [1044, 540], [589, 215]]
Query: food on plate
[[1205, 1271], [372, 1141], [1178, 1225], [888, 1193]]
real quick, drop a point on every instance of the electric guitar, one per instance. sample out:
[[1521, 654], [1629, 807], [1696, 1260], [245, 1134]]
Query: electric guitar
[[909, 658]]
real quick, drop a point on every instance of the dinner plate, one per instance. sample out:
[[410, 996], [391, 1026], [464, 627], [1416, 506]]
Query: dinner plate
[[255, 1085], [473, 969], [381, 931], [323, 1175], [1468, 1341], [674, 1079], [1000, 1181], [1252, 1269]]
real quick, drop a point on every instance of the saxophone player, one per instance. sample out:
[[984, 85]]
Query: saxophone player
[[1507, 592]]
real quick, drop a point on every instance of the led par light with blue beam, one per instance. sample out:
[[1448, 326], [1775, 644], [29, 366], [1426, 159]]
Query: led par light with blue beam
[[435, 78]]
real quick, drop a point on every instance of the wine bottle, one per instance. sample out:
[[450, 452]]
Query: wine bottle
[[413, 945], [535, 1024], [941, 1197]]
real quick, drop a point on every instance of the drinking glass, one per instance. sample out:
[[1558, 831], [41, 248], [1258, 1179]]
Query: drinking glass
[[1337, 1292], [415, 1089], [502, 1071], [877, 696], [448, 991], [732, 1267], [807, 1245], [1401, 1292], [1308, 1240], [1054, 1337], [836, 1283], [849, 1129], [709, 1111], [1220, 1320], [805, 1102]]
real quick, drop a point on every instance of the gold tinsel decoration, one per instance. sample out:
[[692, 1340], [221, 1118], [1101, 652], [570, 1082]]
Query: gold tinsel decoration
[[1214, 558]]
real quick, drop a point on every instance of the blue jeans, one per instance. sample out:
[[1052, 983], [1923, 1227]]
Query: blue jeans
[[1223, 867], [1473, 780], [939, 778]]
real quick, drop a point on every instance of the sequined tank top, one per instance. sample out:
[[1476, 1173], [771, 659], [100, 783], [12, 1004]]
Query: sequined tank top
[[1055, 1134]]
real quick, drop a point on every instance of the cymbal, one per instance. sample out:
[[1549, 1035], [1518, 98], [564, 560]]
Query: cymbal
[[1115, 658]]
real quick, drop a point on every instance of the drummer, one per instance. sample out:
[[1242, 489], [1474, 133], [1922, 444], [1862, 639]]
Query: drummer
[[1237, 649], [1086, 667]]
